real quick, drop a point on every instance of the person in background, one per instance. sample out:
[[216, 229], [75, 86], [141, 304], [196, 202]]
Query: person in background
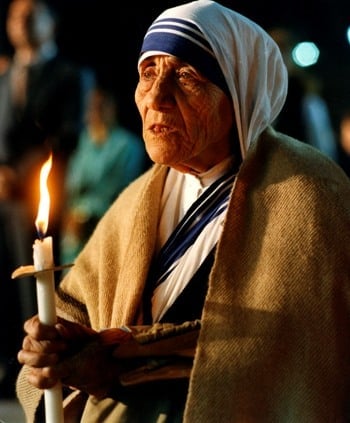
[[305, 114], [4, 62], [108, 157], [217, 286], [344, 141], [41, 95]]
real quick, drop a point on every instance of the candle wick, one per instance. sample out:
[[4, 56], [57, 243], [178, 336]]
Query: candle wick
[[41, 235]]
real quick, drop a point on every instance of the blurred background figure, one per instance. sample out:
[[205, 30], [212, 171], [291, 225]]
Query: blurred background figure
[[108, 157], [4, 62], [41, 103], [305, 115], [344, 141]]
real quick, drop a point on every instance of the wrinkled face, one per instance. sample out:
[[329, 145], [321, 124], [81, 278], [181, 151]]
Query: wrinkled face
[[187, 120]]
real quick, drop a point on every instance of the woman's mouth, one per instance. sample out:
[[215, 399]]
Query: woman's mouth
[[160, 129]]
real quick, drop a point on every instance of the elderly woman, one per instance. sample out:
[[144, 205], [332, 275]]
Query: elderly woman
[[216, 287]]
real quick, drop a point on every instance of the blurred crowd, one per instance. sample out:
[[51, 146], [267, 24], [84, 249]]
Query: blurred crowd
[[51, 105]]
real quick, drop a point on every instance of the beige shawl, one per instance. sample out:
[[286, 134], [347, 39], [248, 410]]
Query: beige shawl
[[274, 342]]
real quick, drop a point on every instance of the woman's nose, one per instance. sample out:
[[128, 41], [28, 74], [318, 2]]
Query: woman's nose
[[161, 95]]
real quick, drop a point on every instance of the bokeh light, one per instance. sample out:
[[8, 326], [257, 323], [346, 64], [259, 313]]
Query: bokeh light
[[305, 54]]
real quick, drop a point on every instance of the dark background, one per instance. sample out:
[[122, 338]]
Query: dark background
[[106, 35]]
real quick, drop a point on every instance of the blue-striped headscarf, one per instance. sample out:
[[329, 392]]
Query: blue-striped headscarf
[[182, 38], [230, 50]]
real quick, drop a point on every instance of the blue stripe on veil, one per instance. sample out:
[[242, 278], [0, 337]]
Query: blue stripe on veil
[[208, 206]]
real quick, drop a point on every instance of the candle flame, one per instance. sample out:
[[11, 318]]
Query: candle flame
[[42, 219]]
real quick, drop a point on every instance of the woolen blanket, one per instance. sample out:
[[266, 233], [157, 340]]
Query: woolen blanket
[[274, 344]]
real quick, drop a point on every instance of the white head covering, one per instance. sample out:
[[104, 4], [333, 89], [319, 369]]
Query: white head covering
[[248, 58]]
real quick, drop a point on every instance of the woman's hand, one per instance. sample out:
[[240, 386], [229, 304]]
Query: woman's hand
[[71, 353]]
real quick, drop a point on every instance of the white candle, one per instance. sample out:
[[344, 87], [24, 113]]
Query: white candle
[[45, 284], [45, 289]]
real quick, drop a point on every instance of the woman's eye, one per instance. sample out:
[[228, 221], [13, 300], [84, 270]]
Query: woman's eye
[[184, 75], [147, 74], [187, 79]]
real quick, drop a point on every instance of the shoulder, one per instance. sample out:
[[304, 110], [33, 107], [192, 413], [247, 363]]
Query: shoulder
[[139, 191], [286, 155], [289, 169]]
